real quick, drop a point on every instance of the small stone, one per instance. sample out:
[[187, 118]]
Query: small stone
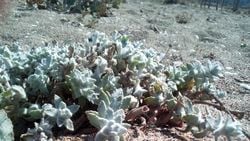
[[228, 68], [64, 20], [76, 24], [245, 86], [231, 73], [177, 63]]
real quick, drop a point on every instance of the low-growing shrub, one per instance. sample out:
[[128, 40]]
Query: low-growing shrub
[[97, 7], [111, 81]]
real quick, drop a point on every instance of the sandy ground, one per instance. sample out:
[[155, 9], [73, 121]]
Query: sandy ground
[[209, 34]]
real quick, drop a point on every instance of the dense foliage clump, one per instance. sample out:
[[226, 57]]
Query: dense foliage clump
[[111, 81], [95, 7]]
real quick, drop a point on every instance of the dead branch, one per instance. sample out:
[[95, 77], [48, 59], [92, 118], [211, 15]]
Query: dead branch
[[238, 114], [136, 112]]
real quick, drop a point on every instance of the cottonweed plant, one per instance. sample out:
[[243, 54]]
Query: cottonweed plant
[[113, 83]]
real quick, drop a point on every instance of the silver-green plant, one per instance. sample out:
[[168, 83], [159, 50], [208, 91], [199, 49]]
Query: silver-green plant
[[110, 115], [41, 132], [61, 113], [6, 127], [200, 126], [227, 127], [82, 84], [12, 100], [32, 112], [114, 78]]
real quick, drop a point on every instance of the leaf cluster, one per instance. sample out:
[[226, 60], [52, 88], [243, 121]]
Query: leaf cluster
[[111, 81]]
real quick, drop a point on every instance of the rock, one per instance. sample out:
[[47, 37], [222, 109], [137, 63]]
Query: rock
[[211, 19], [154, 28], [177, 63], [228, 68], [64, 20], [183, 18], [205, 37], [215, 34], [75, 24], [245, 86], [230, 73], [245, 27]]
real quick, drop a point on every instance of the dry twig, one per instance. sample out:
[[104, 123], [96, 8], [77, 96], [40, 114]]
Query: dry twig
[[238, 114], [136, 112]]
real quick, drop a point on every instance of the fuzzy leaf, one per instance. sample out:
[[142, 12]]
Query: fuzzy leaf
[[69, 124], [20, 94], [57, 100], [6, 127], [126, 102], [82, 84], [73, 108], [95, 120], [49, 110], [105, 97], [38, 83], [139, 91], [102, 109], [62, 105]]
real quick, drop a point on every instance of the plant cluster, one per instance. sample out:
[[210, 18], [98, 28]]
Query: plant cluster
[[97, 7], [183, 18], [111, 81]]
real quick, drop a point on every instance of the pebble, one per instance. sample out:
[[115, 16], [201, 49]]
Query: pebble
[[177, 63], [245, 86], [229, 68], [231, 73]]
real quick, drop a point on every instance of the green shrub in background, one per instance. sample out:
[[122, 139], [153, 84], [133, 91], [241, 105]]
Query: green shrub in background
[[98, 7]]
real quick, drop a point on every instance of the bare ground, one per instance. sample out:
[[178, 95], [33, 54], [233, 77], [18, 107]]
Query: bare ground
[[209, 34]]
